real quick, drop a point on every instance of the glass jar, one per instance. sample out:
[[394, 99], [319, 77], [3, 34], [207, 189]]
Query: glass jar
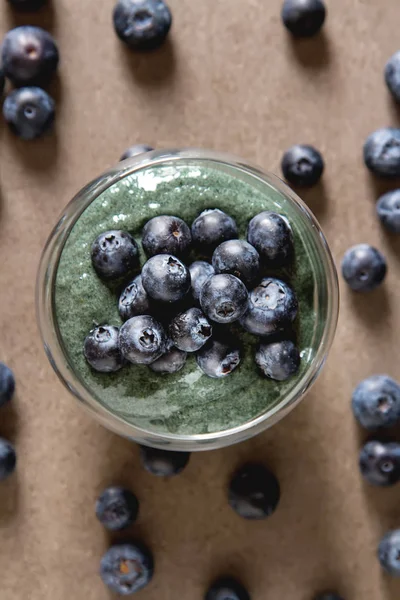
[[185, 411]]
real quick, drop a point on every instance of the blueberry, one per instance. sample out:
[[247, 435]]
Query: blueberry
[[380, 463], [392, 75], [302, 165], [190, 330], [7, 384], [271, 236], [142, 340], [2, 82], [29, 55], [135, 151], [117, 508], [114, 254], [224, 298], [8, 459], [127, 568], [382, 152], [101, 349], [389, 552], [29, 112], [218, 359], [200, 271], [278, 360], [303, 18], [211, 228], [134, 300], [227, 588], [363, 268], [172, 361], [163, 463], [166, 235], [142, 24], [388, 209], [272, 306], [27, 5], [165, 278], [238, 258], [328, 596], [376, 402], [254, 492]]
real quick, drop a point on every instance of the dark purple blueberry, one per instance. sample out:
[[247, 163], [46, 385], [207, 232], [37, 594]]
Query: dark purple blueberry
[[127, 568], [302, 165], [135, 151], [7, 384], [376, 402], [114, 254], [380, 462], [29, 112], [254, 492], [218, 359], [389, 552], [271, 236], [392, 75], [134, 300], [211, 228], [27, 5], [29, 55], [190, 330], [165, 278], [303, 18], [238, 258], [8, 459], [328, 596], [278, 360], [272, 306], [382, 152], [363, 268], [163, 463], [166, 235], [101, 349], [227, 588], [224, 298], [172, 361], [142, 340], [388, 210], [200, 271], [117, 508], [142, 24]]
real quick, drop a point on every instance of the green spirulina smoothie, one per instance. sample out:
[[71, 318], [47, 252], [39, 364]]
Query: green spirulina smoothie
[[187, 402]]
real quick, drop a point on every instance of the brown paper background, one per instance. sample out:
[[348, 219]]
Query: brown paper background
[[228, 79]]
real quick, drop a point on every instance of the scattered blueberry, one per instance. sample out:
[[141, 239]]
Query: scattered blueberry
[[117, 508], [29, 55], [172, 361], [272, 306], [376, 402], [238, 258], [363, 268], [392, 75], [211, 228], [165, 278], [142, 340], [8, 459], [142, 24], [163, 463], [302, 165], [380, 463], [382, 152], [127, 568], [166, 235], [134, 300], [388, 209], [114, 254], [389, 552], [101, 349], [227, 588], [303, 18], [328, 596], [135, 151], [190, 330], [254, 492], [271, 236], [29, 112], [224, 298], [218, 359], [200, 271], [278, 360], [7, 384], [27, 5]]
